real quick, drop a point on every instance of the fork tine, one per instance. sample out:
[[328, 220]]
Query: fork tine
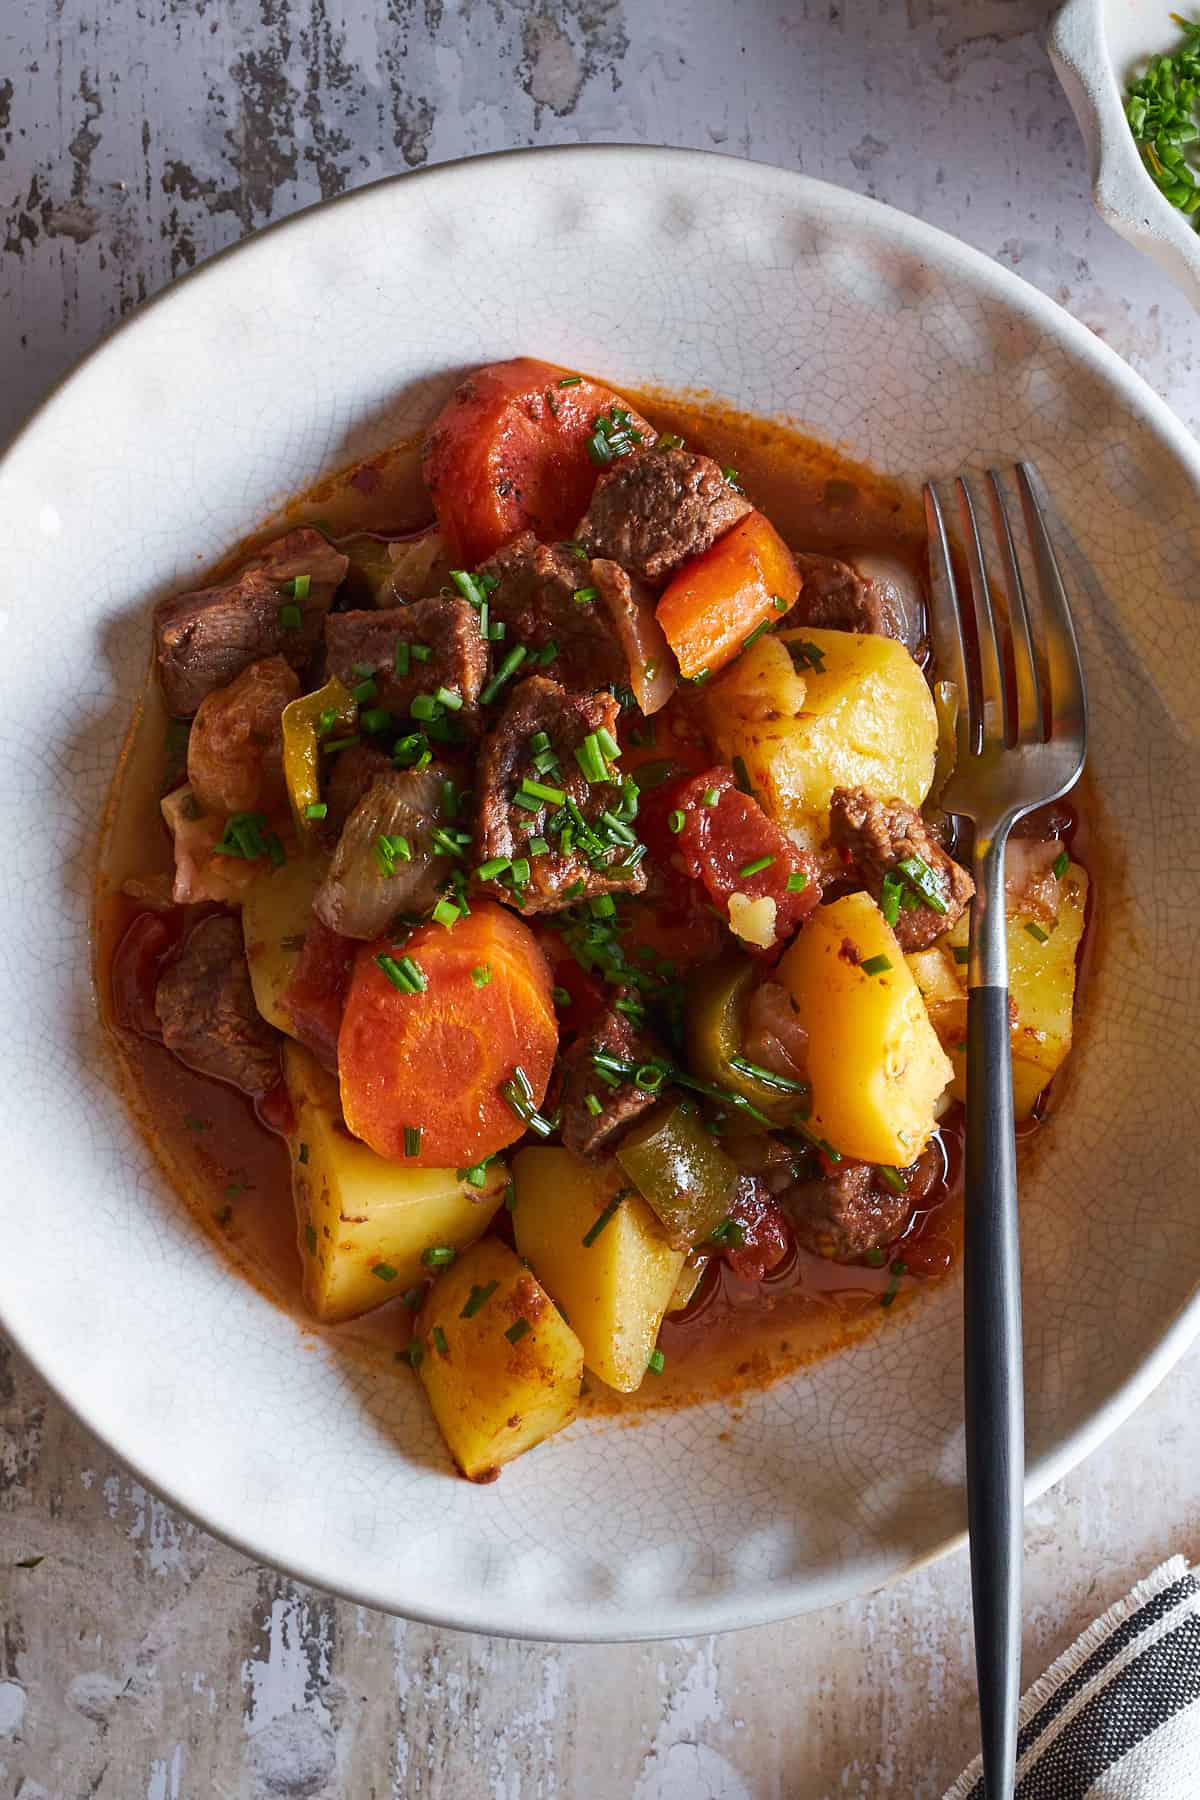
[[948, 639], [1068, 700], [993, 687], [1030, 717]]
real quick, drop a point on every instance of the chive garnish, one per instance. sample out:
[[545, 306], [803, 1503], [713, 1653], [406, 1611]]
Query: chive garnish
[[300, 585], [438, 1256], [412, 1140], [711, 796], [439, 1341], [403, 973], [316, 809], [754, 868], [961, 953], [495, 865], [676, 821], [385, 1271], [891, 1177], [602, 1219], [875, 965], [538, 790], [585, 595], [479, 1297], [593, 1104], [569, 381], [481, 974], [1037, 933], [797, 881], [290, 618], [657, 1363], [446, 914], [517, 1330], [1060, 865], [508, 667], [768, 1077], [416, 1353]]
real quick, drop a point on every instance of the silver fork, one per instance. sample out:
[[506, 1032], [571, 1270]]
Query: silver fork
[[1022, 737]]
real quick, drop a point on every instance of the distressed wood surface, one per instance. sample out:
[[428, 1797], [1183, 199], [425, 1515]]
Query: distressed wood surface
[[139, 1656]]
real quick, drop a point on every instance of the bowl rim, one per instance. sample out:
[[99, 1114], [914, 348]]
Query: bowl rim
[[797, 1593]]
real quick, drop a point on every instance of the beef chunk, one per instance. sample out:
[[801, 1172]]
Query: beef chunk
[[315, 997], [583, 852], [657, 508], [765, 1237], [385, 862], [878, 836], [842, 1216], [836, 597], [533, 595], [592, 1134], [350, 776], [445, 626], [205, 1005], [203, 639], [235, 746]]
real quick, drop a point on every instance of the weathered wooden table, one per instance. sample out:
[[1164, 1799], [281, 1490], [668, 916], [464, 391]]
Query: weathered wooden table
[[140, 1657]]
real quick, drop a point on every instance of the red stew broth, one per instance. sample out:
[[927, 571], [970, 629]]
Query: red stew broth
[[232, 1169]]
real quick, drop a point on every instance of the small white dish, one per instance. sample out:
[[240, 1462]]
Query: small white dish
[[317, 342], [1096, 47]]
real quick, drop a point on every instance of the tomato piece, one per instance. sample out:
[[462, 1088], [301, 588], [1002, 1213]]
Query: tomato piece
[[766, 1235], [316, 995], [717, 600], [725, 834], [509, 452], [145, 946], [437, 1058]]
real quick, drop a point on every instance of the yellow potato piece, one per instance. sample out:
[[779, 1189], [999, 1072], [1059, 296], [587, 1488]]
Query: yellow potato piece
[[1041, 985], [614, 1290], [864, 718], [362, 1221], [874, 1061], [276, 913], [509, 1373]]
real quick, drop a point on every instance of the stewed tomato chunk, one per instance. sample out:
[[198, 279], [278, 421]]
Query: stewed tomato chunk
[[754, 873]]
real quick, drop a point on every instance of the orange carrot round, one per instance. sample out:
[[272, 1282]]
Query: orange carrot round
[[436, 1028], [508, 453], [715, 601]]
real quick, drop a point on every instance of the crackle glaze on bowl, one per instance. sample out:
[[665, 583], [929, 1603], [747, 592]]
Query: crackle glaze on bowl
[[317, 342]]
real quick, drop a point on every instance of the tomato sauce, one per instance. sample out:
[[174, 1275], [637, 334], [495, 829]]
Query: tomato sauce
[[225, 1158]]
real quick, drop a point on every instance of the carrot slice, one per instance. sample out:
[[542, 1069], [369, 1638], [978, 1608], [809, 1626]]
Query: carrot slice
[[509, 452], [434, 1060], [715, 601]]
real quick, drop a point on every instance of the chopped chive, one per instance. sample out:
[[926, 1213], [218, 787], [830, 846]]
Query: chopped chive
[[537, 846], [603, 1219], [401, 657], [310, 1240], [439, 1341], [590, 758], [711, 796], [510, 1196], [479, 1297], [300, 585], [450, 698], [889, 898], [767, 1076], [385, 1271], [779, 603], [797, 882], [924, 881], [874, 1259], [891, 1177], [961, 953], [508, 667], [412, 1140], [593, 1104], [290, 618], [537, 790], [468, 587], [420, 652], [875, 965], [302, 1153], [561, 996], [897, 1269], [759, 631], [495, 865], [602, 907], [412, 1298], [438, 1256], [585, 595], [481, 974], [699, 676], [403, 973], [416, 1353], [517, 1330], [449, 843], [424, 706], [445, 913], [676, 821], [316, 809], [1060, 865], [333, 745], [657, 1363], [741, 775], [376, 719], [569, 381], [754, 868], [520, 871], [1037, 933], [366, 690]]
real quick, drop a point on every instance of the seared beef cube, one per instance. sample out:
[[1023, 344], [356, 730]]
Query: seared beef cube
[[764, 1238], [315, 997], [551, 851], [888, 842], [393, 645], [842, 1216], [586, 1131], [386, 861], [203, 639], [876, 601], [351, 774], [235, 746], [205, 1005], [534, 596], [856, 1210], [658, 508]]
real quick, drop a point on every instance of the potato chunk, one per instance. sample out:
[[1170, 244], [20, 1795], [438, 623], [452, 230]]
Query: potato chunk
[[362, 1222], [864, 718], [276, 912], [615, 1289], [501, 1366], [874, 1061], [1041, 986]]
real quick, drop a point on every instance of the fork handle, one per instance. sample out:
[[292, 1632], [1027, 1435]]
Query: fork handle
[[992, 1348]]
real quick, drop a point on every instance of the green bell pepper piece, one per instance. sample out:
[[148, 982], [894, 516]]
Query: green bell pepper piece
[[686, 1179]]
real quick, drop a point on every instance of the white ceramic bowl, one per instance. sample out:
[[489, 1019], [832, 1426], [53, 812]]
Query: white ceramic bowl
[[1097, 46], [315, 342]]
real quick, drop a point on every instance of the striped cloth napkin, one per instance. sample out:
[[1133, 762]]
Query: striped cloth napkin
[[1118, 1715]]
